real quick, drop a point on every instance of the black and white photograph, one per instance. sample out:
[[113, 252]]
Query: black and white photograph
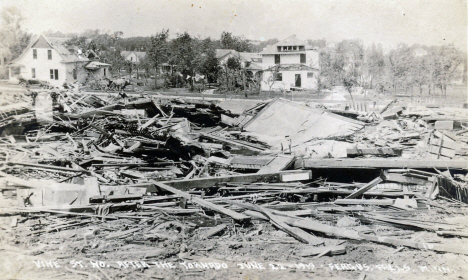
[[233, 139]]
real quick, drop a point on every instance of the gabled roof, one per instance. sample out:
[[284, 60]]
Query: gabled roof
[[139, 55], [249, 56], [220, 53], [290, 41], [57, 44], [254, 66]]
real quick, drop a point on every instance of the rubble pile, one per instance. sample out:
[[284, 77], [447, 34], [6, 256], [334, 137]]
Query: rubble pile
[[159, 179]]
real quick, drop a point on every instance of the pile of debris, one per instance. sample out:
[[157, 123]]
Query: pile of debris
[[157, 179]]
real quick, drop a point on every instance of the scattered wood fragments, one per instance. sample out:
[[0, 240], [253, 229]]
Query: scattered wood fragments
[[158, 179]]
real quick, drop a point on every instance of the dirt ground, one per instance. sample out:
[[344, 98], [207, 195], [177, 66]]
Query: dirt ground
[[179, 253]]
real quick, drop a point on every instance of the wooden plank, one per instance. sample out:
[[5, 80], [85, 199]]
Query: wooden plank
[[236, 216], [355, 152], [381, 163], [299, 176], [51, 167], [441, 151], [417, 245], [446, 143], [212, 181], [381, 202], [295, 232], [212, 231], [279, 163], [366, 187], [443, 125], [328, 250], [312, 225], [233, 142]]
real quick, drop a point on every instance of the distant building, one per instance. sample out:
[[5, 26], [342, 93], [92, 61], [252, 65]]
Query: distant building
[[51, 59], [133, 57], [418, 52], [251, 62], [290, 63]]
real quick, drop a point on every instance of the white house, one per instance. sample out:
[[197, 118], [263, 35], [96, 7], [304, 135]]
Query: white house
[[133, 57], [290, 63], [50, 59]]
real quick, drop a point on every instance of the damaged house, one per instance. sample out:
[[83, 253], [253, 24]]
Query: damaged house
[[290, 64], [51, 59]]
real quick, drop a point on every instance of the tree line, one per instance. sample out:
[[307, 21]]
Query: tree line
[[430, 70]]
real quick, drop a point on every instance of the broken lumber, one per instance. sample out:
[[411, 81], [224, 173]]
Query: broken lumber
[[417, 245], [215, 230], [367, 187], [328, 250], [355, 152], [233, 142], [233, 214], [380, 202]]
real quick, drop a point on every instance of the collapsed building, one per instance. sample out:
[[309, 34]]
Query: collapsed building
[[155, 178]]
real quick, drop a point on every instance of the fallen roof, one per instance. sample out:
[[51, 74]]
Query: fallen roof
[[283, 118]]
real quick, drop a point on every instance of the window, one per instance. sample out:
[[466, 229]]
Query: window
[[301, 48], [33, 73], [294, 48], [16, 71], [279, 77], [75, 76], [104, 72], [131, 58], [34, 54], [303, 58], [277, 59], [49, 54], [310, 74], [54, 74]]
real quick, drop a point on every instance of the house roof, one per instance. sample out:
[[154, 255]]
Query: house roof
[[93, 65], [254, 66], [290, 41], [220, 53], [139, 55], [68, 53], [303, 123], [249, 56], [59, 45]]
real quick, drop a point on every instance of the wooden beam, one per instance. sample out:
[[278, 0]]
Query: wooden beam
[[366, 187], [381, 163], [197, 200], [185, 185]]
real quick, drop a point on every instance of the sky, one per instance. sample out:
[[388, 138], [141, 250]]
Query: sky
[[388, 22]]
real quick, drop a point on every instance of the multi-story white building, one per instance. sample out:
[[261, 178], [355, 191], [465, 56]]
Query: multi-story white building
[[290, 63], [50, 59]]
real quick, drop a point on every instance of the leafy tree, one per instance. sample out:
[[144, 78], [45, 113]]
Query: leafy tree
[[240, 44], [445, 62], [13, 39], [375, 67], [208, 64], [399, 68], [158, 51]]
